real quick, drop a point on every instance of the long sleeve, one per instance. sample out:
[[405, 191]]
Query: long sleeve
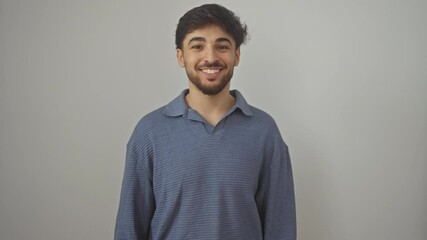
[[137, 203], [275, 196]]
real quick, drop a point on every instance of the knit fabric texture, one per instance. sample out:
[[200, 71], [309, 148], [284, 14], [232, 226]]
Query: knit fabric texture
[[186, 179]]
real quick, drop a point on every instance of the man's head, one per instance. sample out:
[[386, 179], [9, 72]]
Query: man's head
[[208, 40]]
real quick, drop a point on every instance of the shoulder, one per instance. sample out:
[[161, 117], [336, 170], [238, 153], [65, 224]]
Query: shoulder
[[152, 119], [267, 125], [263, 119], [148, 125]]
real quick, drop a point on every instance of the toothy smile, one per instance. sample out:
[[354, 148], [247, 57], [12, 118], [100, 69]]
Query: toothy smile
[[211, 71]]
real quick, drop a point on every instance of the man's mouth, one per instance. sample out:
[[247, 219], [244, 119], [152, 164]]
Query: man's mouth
[[211, 73]]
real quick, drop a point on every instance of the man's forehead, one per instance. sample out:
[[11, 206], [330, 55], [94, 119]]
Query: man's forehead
[[209, 32]]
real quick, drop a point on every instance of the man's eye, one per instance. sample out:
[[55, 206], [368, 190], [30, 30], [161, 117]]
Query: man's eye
[[223, 47], [196, 47]]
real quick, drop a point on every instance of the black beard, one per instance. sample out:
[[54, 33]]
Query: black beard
[[211, 90]]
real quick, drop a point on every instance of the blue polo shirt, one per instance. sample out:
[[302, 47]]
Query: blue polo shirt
[[185, 179]]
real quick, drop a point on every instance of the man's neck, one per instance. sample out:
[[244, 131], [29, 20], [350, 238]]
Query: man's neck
[[211, 107]]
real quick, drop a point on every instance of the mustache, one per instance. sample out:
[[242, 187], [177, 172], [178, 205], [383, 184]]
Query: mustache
[[211, 65]]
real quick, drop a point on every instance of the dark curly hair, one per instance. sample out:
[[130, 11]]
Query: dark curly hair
[[211, 14]]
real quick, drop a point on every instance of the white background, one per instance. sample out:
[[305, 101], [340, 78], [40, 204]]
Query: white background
[[346, 82]]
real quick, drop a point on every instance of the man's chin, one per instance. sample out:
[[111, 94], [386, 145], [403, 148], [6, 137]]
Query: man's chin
[[210, 86], [210, 90]]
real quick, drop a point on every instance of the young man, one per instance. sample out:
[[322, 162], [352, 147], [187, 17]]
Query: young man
[[207, 165]]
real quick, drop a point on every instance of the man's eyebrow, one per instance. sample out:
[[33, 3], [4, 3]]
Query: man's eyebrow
[[202, 39], [197, 39], [223, 40]]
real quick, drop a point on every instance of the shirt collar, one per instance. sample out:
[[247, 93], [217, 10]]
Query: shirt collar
[[178, 106]]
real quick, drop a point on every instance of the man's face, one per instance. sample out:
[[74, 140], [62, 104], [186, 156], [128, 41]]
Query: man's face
[[209, 56]]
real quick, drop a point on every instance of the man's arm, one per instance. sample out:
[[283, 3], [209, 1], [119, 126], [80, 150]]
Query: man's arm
[[275, 196], [137, 203]]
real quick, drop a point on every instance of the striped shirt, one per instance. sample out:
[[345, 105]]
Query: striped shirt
[[185, 179]]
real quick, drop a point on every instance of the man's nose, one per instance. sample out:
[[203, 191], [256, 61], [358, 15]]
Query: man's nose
[[210, 55]]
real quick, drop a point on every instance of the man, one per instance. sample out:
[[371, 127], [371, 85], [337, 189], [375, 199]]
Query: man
[[207, 165]]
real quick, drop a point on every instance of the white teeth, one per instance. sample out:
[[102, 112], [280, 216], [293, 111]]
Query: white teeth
[[210, 71]]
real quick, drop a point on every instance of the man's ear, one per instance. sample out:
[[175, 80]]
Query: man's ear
[[237, 60], [180, 57]]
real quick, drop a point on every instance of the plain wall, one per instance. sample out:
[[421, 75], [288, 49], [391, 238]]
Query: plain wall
[[346, 82]]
